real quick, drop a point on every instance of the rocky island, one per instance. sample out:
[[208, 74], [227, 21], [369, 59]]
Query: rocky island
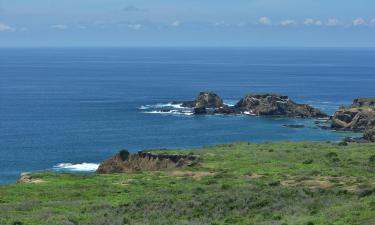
[[253, 104]]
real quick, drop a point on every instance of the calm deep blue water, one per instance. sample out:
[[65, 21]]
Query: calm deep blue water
[[83, 105]]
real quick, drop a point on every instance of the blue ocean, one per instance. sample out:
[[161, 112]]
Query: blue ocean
[[67, 109]]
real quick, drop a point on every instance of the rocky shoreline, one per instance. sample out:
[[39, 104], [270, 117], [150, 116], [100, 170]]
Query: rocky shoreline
[[359, 117]]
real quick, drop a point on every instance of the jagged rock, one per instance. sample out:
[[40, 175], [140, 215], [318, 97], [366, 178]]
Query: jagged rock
[[208, 100], [353, 119], [200, 110], [359, 117], [363, 102], [204, 100], [369, 134], [145, 161], [276, 105], [226, 110], [187, 104], [27, 178]]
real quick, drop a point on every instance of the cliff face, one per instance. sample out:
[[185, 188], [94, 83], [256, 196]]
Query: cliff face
[[276, 105], [359, 117], [144, 161]]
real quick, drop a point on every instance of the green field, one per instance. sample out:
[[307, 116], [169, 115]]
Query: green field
[[243, 183]]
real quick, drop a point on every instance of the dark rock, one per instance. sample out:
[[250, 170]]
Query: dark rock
[[363, 102], [359, 117], [226, 110], [188, 104], [294, 125], [276, 105], [145, 161], [369, 134], [208, 100], [200, 110]]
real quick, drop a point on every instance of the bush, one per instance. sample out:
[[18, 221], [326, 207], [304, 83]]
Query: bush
[[308, 161], [343, 143]]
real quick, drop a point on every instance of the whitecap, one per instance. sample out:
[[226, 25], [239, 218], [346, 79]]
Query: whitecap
[[249, 113], [76, 167], [161, 106], [171, 105], [173, 112]]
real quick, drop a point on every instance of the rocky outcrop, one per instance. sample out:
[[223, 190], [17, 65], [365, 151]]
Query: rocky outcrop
[[363, 102], [369, 134], [200, 110], [353, 119], [253, 104], [145, 161], [359, 117], [276, 105], [28, 178], [208, 100]]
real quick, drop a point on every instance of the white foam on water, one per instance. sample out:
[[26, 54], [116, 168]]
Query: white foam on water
[[76, 167], [162, 105], [173, 112], [249, 113]]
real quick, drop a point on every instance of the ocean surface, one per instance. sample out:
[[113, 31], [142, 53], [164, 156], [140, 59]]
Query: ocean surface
[[59, 107]]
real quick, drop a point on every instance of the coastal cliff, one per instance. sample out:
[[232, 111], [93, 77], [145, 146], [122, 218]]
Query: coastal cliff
[[358, 117], [144, 161]]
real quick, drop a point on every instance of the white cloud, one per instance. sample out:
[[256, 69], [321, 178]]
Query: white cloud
[[59, 27], [359, 22], [312, 22], [286, 23], [6, 28], [265, 20], [332, 22], [135, 26], [176, 23]]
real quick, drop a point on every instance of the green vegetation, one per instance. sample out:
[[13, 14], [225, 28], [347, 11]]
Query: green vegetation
[[245, 183]]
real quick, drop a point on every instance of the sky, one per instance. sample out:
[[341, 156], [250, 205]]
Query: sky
[[195, 23]]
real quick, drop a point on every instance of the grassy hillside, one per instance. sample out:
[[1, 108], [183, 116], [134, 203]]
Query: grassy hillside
[[244, 183]]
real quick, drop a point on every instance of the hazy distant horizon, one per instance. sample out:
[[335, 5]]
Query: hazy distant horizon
[[167, 23]]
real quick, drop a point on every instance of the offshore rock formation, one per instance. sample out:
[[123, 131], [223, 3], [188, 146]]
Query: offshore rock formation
[[145, 161], [359, 117], [253, 104], [276, 105], [205, 99]]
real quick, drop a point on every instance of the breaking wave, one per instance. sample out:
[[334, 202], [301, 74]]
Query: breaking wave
[[76, 167]]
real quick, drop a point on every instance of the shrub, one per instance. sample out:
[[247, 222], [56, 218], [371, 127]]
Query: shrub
[[343, 143], [308, 161], [17, 223]]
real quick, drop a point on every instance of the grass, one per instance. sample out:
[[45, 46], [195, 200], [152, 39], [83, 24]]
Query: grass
[[242, 183]]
